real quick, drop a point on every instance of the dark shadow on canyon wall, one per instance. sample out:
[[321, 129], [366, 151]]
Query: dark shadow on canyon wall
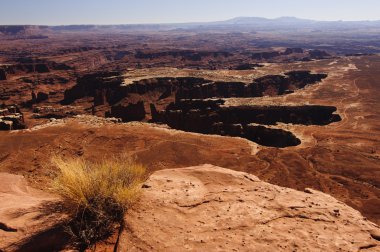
[[211, 117], [190, 104]]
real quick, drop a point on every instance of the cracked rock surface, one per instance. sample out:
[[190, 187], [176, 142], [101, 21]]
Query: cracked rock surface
[[208, 208]]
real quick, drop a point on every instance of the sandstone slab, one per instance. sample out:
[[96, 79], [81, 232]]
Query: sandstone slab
[[208, 208], [28, 221]]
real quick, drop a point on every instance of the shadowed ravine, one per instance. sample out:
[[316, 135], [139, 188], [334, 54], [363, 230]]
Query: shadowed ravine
[[210, 117]]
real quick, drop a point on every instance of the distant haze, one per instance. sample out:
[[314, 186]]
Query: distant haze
[[63, 12]]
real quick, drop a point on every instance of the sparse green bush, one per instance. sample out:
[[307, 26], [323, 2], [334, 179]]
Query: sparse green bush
[[97, 195]]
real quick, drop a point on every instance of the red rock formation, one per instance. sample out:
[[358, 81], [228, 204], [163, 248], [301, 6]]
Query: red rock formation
[[184, 54], [206, 207], [108, 88], [289, 51], [318, 54], [11, 118], [90, 84], [129, 112], [127, 103], [48, 112]]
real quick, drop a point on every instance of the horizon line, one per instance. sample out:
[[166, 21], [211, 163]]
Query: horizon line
[[192, 22]]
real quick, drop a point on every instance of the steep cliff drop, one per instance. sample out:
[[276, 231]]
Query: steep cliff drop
[[196, 104]]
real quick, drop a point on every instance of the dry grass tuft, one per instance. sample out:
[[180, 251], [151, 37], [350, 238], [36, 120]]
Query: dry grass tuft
[[97, 195]]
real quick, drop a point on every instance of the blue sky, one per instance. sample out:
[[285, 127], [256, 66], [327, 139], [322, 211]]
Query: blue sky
[[55, 12]]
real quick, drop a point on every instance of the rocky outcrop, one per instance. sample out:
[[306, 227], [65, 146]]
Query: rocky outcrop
[[198, 208], [28, 68], [92, 84], [209, 208], [269, 85], [109, 88], [11, 118], [289, 51], [39, 97], [49, 112], [272, 85], [190, 112], [30, 65], [35, 99], [183, 54], [128, 113], [318, 54]]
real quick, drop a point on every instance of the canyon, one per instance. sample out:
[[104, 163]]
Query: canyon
[[292, 119], [184, 104]]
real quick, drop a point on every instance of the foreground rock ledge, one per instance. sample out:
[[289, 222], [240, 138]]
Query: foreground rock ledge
[[208, 208], [203, 208], [28, 218]]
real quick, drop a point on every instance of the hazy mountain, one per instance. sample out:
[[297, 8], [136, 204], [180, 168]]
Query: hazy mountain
[[258, 20], [296, 23], [282, 24]]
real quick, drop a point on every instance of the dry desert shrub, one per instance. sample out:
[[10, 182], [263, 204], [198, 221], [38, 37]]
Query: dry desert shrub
[[97, 195]]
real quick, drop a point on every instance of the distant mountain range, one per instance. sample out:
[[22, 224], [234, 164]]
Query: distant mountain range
[[236, 24], [292, 24], [289, 20]]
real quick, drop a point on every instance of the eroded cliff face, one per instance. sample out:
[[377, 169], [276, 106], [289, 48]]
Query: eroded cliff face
[[302, 54], [183, 54], [29, 65], [183, 103], [91, 84], [108, 87], [11, 118], [128, 113]]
